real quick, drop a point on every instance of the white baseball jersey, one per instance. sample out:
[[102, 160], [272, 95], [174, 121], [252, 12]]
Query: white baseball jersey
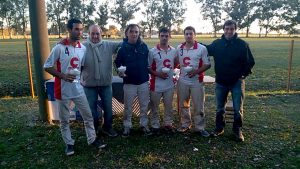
[[158, 59], [195, 57], [66, 57]]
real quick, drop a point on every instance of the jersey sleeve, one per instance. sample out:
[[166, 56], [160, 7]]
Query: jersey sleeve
[[114, 46], [176, 59], [205, 57], [53, 57]]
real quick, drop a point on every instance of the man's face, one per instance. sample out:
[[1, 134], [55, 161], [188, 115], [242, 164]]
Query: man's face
[[76, 31], [95, 34], [229, 31], [189, 36], [133, 34], [164, 38]]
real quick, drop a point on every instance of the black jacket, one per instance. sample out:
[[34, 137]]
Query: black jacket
[[233, 59], [135, 58]]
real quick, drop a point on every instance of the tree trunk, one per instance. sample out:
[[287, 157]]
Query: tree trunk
[[10, 34], [2, 31], [266, 33], [59, 31], [247, 31], [215, 32], [24, 24], [24, 29], [260, 29], [58, 28], [150, 31]]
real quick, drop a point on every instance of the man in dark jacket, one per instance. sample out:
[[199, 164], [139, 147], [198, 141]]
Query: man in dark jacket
[[233, 63], [133, 58]]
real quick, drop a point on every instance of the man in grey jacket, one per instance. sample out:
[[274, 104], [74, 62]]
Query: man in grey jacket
[[96, 77]]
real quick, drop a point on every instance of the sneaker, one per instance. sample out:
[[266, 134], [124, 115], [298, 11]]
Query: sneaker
[[239, 137], [169, 128], [204, 133], [110, 132], [216, 133], [146, 131], [183, 129], [98, 144], [69, 150], [126, 132]]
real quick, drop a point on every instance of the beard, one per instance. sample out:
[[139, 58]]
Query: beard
[[75, 38]]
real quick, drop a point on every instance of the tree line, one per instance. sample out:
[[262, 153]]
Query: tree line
[[272, 15]]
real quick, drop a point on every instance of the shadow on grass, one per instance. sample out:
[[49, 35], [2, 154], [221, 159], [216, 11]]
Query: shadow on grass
[[271, 130]]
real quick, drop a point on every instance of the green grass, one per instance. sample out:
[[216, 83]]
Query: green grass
[[271, 127], [271, 130], [269, 73]]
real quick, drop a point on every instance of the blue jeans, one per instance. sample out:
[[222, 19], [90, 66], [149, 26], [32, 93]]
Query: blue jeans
[[238, 93], [105, 93]]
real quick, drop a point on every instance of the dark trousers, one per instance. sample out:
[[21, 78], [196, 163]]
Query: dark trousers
[[238, 93]]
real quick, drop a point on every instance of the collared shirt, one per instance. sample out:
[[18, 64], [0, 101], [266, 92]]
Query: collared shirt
[[195, 57], [66, 57], [158, 59]]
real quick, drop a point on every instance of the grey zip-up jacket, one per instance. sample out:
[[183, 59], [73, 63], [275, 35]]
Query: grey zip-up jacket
[[107, 49]]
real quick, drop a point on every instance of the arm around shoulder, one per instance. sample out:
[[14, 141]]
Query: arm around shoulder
[[250, 62], [119, 58], [211, 48]]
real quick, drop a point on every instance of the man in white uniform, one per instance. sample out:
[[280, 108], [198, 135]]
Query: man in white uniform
[[67, 58], [161, 66], [193, 61]]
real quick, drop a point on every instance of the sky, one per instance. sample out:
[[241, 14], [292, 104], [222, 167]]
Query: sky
[[194, 18]]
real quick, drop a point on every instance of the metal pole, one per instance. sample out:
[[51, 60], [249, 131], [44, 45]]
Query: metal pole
[[29, 69], [41, 50], [290, 66]]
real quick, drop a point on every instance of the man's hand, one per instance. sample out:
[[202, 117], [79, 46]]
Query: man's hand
[[68, 77], [162, 75], [121, 74], [192, 73]]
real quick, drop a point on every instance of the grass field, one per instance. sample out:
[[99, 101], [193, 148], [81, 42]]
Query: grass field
[[270, 71], [272, 123]]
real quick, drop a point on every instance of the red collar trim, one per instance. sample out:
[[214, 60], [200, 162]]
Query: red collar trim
[[78, 44], [158, 47], [194, 47], [67, 42]]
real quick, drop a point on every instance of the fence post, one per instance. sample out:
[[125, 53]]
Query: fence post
[[41, 50], [290, 66], [29, 69]]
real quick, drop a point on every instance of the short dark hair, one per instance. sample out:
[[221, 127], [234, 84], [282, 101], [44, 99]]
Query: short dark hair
[[131, 26], [71, 22], [229, 22], [189, 28], [164, 30]]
